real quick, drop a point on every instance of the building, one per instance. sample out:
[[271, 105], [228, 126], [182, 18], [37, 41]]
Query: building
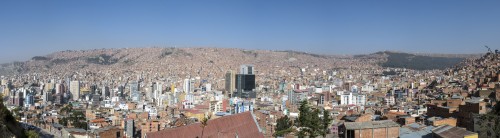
[[441, 111], [149, 126], [130, 128], [242, 125], [230, 84], [46, 96], [446, 131], [108, 132], [389, 100], [406, 120], [438, 121], [29, 100], [58, 88], [245, 82], [465, 113], [158, 90], [352, 98], [105, 93], [415, 130], [188, 85], [74, 88], [296, 96], [247, 69], [134, 88], [245, 86], [371, 129]]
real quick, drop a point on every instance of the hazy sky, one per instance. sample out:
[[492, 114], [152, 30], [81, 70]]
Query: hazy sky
[[40, 27]]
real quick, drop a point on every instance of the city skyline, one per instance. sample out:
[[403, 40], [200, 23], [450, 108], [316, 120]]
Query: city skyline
[[34, 28]]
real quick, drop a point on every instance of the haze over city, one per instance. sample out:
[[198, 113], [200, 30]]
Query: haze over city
[[37, 28]]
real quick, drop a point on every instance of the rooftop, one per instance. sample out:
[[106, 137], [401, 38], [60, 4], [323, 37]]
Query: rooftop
[[242, 125], [446, 131]]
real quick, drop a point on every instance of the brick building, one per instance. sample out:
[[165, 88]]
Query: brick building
[[465, 113], [370, 129]]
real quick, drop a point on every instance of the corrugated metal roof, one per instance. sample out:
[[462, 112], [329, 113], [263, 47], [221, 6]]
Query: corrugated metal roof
[[446, 131]]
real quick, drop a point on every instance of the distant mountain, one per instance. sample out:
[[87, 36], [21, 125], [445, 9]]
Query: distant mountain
[[212, 63], [417, 62], [178, 63]]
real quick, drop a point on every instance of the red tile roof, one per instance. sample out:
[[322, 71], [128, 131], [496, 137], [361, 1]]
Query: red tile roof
[[242, 124]]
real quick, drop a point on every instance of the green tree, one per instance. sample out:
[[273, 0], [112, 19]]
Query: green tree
[[315, 125], [283, 126], [66, 109], [32, 134], [496, 110], [304, 119], [78, 120], [63, 121], [325, 122], [308, 121], [17, 113]]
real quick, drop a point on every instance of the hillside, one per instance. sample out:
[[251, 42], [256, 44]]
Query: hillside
[[206, 63], [212, 63], [416, 62]]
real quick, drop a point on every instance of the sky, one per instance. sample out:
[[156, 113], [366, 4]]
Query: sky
[[37, 28]]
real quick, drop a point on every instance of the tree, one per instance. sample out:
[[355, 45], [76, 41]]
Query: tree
[[63, 121], [325, 122], [32, 134], [283, 126], [303, 114], [304, 119], [17, 113], [308, 121], [78, 120], [66, 109], [496, 110], [315, 125], [7, 119], [204, 123]]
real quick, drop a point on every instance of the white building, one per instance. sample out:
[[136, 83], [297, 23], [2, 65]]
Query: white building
[[208, 87], [352, 98], [246, 69], [390, 100], [188, 101], [188, 85], [158, 90], [74, 88], [216, 105]]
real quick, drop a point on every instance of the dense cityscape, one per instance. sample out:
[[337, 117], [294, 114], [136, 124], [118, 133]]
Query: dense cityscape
[[352, 97], [249, 69]]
